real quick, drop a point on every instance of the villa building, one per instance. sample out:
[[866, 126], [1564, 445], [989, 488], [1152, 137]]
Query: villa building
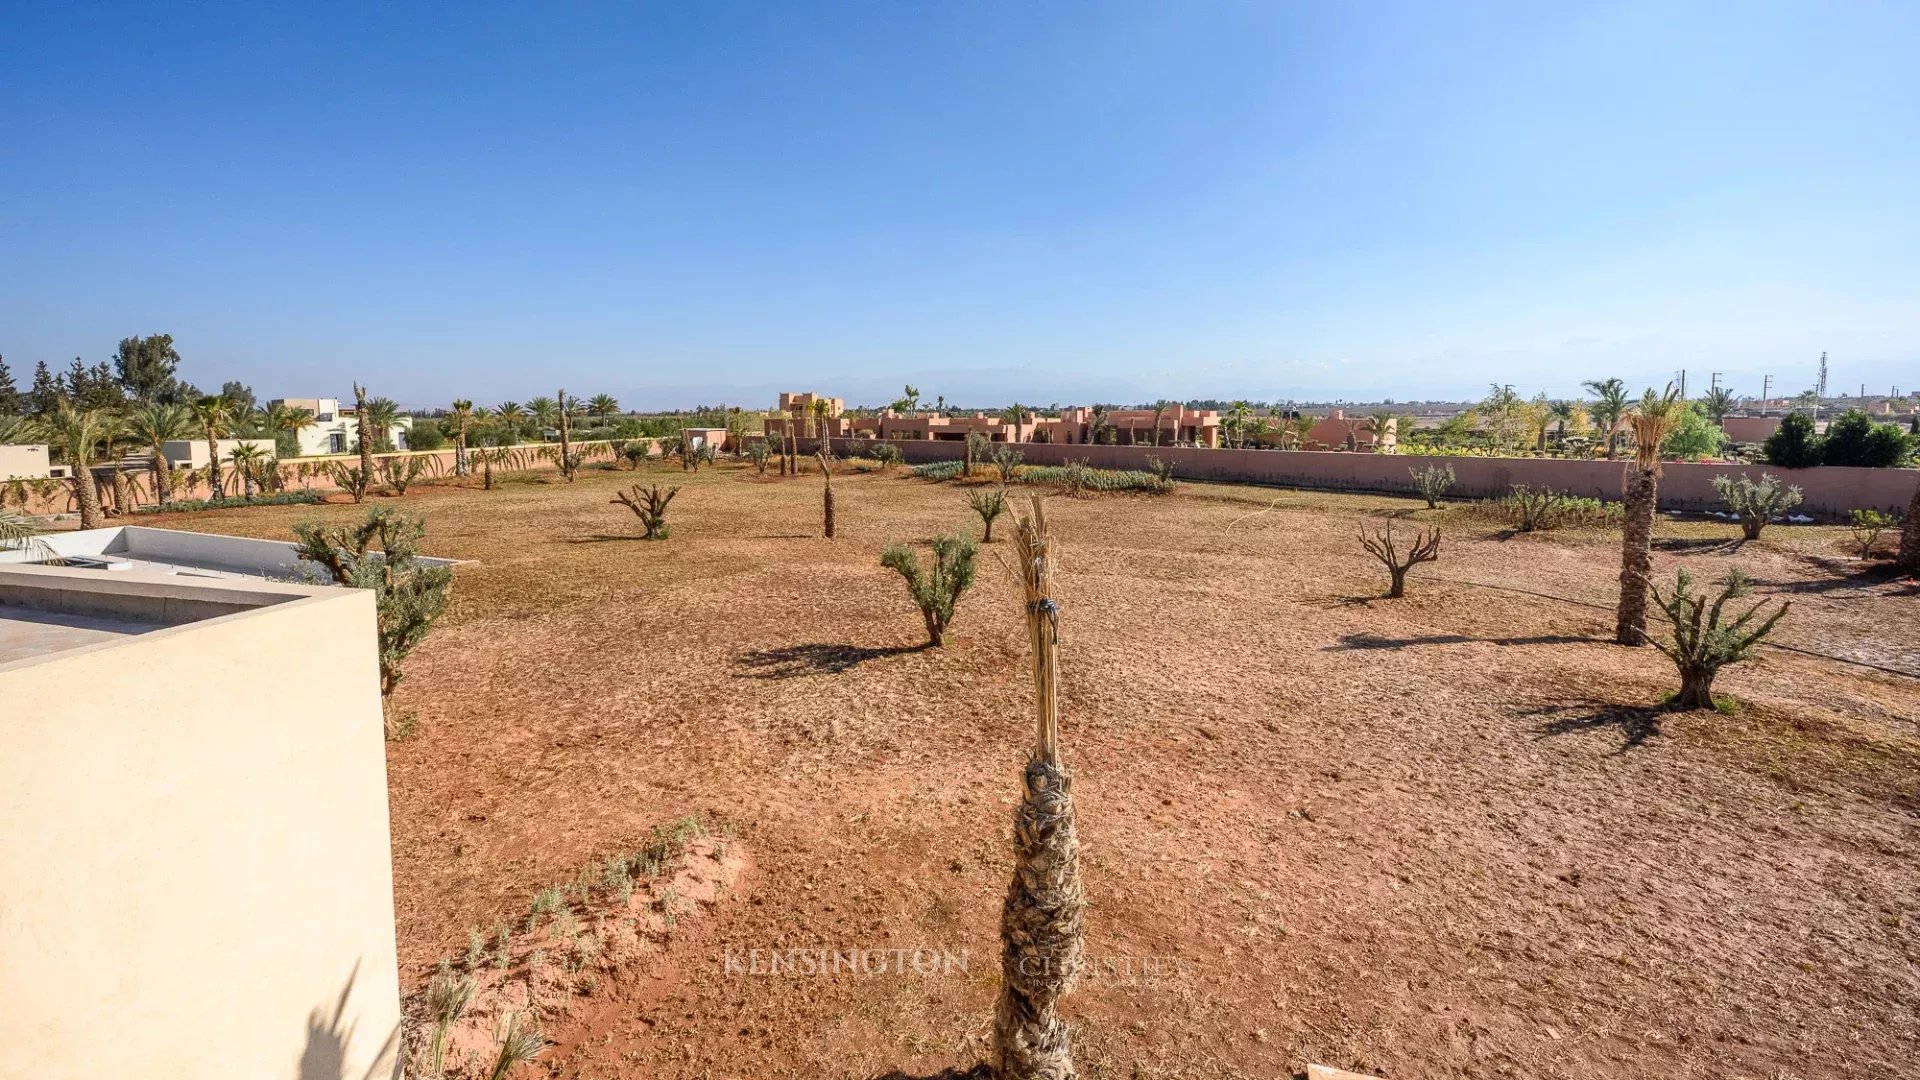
[[334, 431]]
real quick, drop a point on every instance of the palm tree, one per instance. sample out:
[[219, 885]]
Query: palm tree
[[1159, 413], [1537, 415], [247, 460], [155, 425], [378, 419], [459, 419], [291, 419], [603, 406], [1013, 414], [820, 410], [1718, 403], [79, 434], [542, 410], [512, 417], [1235, 422], [1651, 422], [1381, 418], [214, 414], [1609, 406], [20, 532]]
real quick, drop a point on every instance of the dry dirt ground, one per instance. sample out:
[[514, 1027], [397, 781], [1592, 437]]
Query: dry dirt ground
[[1444, 836]]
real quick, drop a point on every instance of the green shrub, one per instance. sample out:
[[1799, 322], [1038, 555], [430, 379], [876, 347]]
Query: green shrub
[[1756, 503], [1867, 527], [887, 454], [426, 435], [1794, 445], [1076, 476], [1856, 440], [408, 597], [1701, 643], [938, 470], [1432, 482], [989, 503], [937, 588], [1694, 435], [284, 498]]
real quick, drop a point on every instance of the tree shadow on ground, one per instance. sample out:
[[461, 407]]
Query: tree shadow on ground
[[1853, 575], [794, 661], [604, 538], [1331, 601], [1349, 642], [1715, 545], [1637, 723], [978, 1072]]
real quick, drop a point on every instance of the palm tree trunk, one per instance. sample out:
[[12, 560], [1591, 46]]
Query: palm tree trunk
[[1636, 554], [460, 454], [1910, 535], [1041, 937], [162, 490], [122, 497], [86, 491], [214, 488]]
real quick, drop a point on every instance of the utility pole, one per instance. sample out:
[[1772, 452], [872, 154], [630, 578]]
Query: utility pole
[[1766, 391], [1821, 387]]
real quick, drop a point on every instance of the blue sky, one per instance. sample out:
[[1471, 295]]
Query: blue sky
[[1057, 202]]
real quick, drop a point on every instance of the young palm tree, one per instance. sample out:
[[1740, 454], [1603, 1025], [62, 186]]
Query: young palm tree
[[459, 419], [247, 460], [1609, 406], [1651, 422], [214, 414], [1159, 413], [563, 409], [153, 425], [79, 434], [603, 406]]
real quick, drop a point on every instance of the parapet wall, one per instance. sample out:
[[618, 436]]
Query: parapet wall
[[1830, 491]]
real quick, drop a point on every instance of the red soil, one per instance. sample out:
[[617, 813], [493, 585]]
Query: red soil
[[1444, 836]]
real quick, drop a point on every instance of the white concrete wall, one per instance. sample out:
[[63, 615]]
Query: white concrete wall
[[272, 560], [27, 461], [197, 873], [317, 439]]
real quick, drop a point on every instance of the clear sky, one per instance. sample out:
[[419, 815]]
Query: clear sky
[[693, 202]]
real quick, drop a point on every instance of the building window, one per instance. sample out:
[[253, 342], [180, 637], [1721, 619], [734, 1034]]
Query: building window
[[336, 442]]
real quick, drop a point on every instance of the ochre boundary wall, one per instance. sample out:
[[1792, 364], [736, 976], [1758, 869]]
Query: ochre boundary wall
[[1831, 491]]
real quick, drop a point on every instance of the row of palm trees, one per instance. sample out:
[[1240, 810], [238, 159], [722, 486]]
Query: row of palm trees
[[86, 437]]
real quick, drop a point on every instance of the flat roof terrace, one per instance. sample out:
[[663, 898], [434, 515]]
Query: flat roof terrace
[[27, 632], [50, 610]]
